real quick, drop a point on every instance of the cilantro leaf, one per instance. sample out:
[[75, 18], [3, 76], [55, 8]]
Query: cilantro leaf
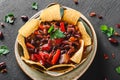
[[4, 50], [56, 34], [50, 29], [9, 18], [118, 69], [35, 5], [108, 31]]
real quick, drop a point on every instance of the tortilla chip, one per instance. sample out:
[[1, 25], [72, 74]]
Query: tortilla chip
[[33, 64], [84, 34], [51, 13], [56, 67], [71, 16], [21, 41], [29, 27], [77, 57]]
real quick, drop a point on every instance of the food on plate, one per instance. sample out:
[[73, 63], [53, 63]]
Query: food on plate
[[55, 41]]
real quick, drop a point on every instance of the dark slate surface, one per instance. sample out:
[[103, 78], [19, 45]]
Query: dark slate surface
[[99, 69]]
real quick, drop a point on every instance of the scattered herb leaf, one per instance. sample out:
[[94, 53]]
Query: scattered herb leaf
[[118, 69], [108, 31], [35, 5], [10, 18], [4, 50], [57, 34], [50, 29]]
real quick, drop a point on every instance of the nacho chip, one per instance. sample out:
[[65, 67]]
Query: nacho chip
[[29, 27], [71, 16], [56, 67], [33, 64], [77, 57], [51, 13], [85, 35], [21, 41]]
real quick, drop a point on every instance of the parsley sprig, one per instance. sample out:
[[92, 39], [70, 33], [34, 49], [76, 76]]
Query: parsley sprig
[[35, 5], [55, 33], [4, 50], [108, 31]]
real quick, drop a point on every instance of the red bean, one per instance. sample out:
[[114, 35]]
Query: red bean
[[2, 25], [114, 41], [92, 14], [1, 35], [24, 18], [118, 25]]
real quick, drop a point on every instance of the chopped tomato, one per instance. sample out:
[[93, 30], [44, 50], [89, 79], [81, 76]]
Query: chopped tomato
[[58, 41], [46, 47], [56, 56], [30, 45], [38, 57], [36, 32], [32, 57], [62, 27], [41, 27]]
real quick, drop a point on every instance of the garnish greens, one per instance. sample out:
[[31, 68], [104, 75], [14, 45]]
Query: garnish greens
[[9, 18], [4, 50], [108, 31], [55, 33], [35, 5], [118, 69], [50, 29]]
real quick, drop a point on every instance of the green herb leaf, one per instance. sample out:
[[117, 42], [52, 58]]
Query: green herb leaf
[[108, 31], [9, 18], [4, 50], [118, 69], [50, 29], [104, 28], [35, 5], [57, 34]]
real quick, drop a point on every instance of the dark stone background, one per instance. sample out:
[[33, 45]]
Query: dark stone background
[[99, 69]]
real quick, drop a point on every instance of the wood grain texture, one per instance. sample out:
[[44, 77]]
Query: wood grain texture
[[100, 68]]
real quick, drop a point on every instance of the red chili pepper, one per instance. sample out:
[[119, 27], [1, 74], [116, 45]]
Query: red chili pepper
[[56, 56], [30, 45], [62, 27]]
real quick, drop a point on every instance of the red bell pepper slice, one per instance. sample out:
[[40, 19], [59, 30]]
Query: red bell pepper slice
[[30, 45], [56, 56], [62, 27]]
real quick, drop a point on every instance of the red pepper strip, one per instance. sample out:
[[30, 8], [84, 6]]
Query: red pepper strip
[[56, 56], [30, 45], [62, 27], [39, 59]]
